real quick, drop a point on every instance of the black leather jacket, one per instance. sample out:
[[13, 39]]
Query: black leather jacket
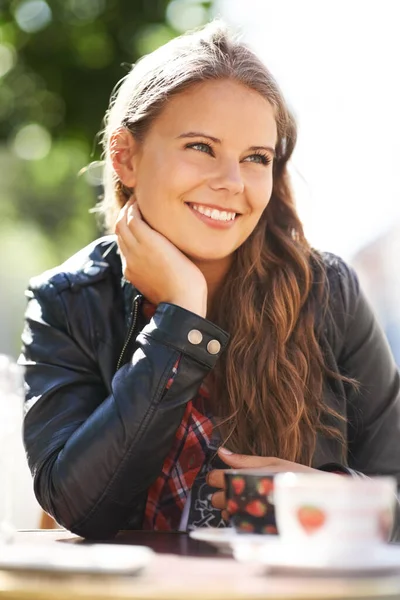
[[96, 436]]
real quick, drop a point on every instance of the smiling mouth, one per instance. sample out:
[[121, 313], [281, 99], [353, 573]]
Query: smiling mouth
[[220, 216]]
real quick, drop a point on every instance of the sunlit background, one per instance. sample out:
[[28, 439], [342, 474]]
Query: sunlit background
[[336, 61]]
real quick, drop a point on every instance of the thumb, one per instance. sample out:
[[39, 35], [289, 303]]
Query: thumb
[[240, 461], [133, 209]]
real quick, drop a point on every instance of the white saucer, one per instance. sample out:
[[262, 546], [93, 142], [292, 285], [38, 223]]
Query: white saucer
[[352, 561], [98, 559], [224, 539]]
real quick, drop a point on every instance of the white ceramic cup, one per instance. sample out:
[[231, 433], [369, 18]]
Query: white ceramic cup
[[339, 510]]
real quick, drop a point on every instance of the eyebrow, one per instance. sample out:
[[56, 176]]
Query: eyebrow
[[196, 134]]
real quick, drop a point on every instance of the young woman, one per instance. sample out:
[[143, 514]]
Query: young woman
[[207, 333]]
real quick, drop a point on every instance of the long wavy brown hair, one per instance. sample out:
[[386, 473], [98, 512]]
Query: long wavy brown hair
[[267, 388]]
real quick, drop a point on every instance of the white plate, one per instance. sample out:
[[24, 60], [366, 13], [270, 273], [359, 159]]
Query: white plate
[[99, 559], [224, 539], [350, 560]]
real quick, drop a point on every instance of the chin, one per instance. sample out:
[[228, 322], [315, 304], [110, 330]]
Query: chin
[[210, 255]]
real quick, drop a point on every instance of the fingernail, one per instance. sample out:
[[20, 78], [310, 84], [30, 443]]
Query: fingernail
[[225, 450]]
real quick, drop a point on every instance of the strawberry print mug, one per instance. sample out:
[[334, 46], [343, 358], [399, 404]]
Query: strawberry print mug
[[250, 502], [334, 509]]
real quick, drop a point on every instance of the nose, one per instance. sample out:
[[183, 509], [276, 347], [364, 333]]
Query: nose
[[228, 177]]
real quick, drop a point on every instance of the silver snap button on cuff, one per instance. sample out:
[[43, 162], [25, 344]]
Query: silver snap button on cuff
[[213, 347], [91, 270], [195, 336]]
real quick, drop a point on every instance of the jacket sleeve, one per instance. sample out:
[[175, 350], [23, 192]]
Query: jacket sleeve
[[373, 408], [93, 453]]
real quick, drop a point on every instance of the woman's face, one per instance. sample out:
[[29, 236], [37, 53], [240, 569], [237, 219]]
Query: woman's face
[[203, 174]]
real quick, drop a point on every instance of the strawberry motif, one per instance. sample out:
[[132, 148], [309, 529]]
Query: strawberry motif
[[256, 508], [232, 507], [270, 529], [238, 485], [311, 518], [246, 527], [265, 487]]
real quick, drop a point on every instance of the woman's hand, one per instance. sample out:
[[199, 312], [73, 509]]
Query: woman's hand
[[156, 267], [215, 478]]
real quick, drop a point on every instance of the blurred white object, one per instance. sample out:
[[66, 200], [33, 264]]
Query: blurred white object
[[285, 559], [11, 403], [94, 559], [332, 511]]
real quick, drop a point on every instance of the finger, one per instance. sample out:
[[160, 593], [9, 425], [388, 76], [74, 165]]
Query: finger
[[142, 229], [125, 253], [121, 217], [138, 225], [123, 248], [125, 236], [216, 478], [133, 210], [225, 515], [243, 461], [218, 500]]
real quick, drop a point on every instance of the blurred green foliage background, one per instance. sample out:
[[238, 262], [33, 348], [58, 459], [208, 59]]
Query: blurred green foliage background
[[59, 61]]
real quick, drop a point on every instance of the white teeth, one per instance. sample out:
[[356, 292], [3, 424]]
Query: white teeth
[[216, 215]]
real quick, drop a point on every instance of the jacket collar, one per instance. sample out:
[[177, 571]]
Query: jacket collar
[[129, 292]]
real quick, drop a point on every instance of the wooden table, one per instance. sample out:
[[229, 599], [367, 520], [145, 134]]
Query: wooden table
[[183, 569]]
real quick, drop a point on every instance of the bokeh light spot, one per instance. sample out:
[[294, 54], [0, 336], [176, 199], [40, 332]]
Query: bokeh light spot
[[32, 142], [87, 10], [151, 37], [94, 173], [183, 15], [32, 15], [7, 58]]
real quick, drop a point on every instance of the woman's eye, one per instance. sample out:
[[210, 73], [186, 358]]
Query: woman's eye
[[201, 147], [262, 159]]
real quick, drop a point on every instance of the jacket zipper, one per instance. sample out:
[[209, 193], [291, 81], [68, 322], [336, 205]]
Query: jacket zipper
[[134, 311]]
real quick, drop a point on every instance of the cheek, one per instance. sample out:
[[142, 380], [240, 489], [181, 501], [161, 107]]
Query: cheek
[[157, 193], [166, 178], [148, 194], [260, 195], [150, 189]]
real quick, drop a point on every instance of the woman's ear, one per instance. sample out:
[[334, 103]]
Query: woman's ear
[[123, 148]]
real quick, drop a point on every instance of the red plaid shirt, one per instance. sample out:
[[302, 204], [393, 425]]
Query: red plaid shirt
[[167, 496]]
